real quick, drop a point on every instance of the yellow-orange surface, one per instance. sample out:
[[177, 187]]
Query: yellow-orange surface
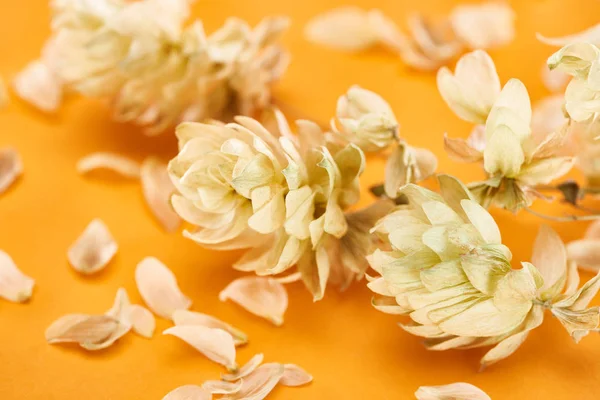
[[353, 351]]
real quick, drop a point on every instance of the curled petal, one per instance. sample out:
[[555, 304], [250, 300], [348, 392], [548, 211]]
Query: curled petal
[[216, 344], [460, 150], [39, 86], [344, 28], [157, 188], [293, 375], [81, 328], [11, 167], [14, 285], [188, 392], [185, 317], [590, 35], [586, 253], [246, 370], [159, 289], [110, 161], [142, 320], [259, 383], [264, 297], [458, 391], [93, 250]]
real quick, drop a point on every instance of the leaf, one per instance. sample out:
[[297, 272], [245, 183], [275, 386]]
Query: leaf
[[93, 249], [159, 289], [216, 344], [264, 297]]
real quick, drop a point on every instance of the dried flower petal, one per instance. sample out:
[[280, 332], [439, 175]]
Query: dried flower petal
[[188, 392], [93, 250], [264, 297], [453, 391], [586, 253], [157, 188], [259, 383], [14, 285], [554, 80], [142, 320], [485, 25], [590, 35], [185, 317], [110, 161], [159, 289], [550, 258], [4, 98], [11, 167], [345, 28], [293, 375], [120, 312], [246, 370], [39, 86], [222, 387], [216, 344], [81, 328], [460, 150]]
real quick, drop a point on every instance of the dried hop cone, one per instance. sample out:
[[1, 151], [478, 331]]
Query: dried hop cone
[[449, 272], [154, 70], [284, 197]]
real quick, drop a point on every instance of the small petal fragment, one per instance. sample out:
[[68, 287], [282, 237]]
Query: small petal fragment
[[110, 161], [93, 250], [14, 285], [293, 375], [453, 391], [216, 344], [185, 317], [38, 85], [157, 188], [264, 297], [246, 370], [188, 392], [142, 320], [344, 28], [158, 287], [11, 167]]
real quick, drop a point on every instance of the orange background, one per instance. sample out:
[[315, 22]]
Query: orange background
[[353, 351]]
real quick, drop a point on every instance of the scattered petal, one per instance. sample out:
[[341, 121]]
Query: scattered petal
[[185, 317], [586, 253], [484, 26], [188, 392], [113, 162], [590, 35], [345, 28], [453, 391], [158, 287], [246, 370], [81, 328], [14, 285], [216, 344], [157, 188], [11, 167], [264, 297], [293, 375], [38, 85], [93, 250], [142, 320], [259, 383], [222, 387]]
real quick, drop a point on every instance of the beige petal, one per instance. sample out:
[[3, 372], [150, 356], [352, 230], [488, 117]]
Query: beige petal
[[387, 31], [550, 258], [593, 231], [111, 161], [216, 344], [188, 392], [345, 28], [396, 171], [39, 86], [586, 253], [590, 35], [81, 328], [158, 287], [293, 375], [222, 387], [93, 250], [246, 370], [548, 116], [259, 383], [120, 312], [14, 285], [11, 167], [554, 80], [484, 26], [184, 317], [4, 97], [460, 150], [157, 188], [291, 278], [264, 297], [142, 320], [453, 391]]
